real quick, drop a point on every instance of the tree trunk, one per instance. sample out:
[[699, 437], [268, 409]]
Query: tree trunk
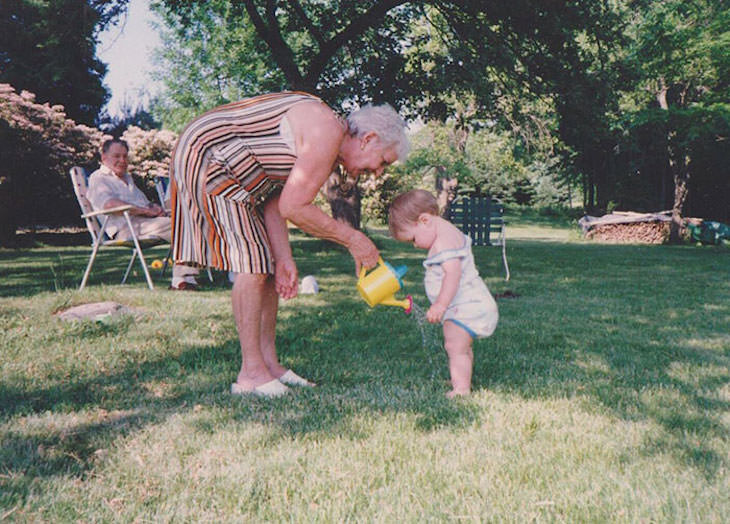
[[343, 196], [445, 191], [679, 167], [680, 174], [591, 193], [8, 217]]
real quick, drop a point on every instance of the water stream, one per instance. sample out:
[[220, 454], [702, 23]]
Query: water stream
[[430, 337]]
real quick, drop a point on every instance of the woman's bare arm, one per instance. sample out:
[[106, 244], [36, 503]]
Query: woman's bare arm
[[318, 136], [285, 275]]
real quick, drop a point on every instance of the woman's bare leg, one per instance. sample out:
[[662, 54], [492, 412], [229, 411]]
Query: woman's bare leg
[[269, 309], [248, 304]]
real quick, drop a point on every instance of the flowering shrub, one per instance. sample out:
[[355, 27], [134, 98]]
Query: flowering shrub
[[149, 153], [38, 146]]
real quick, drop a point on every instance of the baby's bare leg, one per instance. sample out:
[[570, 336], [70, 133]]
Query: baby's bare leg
[[461, 358]]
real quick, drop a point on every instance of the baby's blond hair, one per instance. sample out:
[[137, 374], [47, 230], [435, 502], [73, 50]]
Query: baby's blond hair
[[407, 207]]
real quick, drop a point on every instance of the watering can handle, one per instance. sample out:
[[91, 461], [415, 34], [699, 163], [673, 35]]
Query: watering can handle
[[363, 270]]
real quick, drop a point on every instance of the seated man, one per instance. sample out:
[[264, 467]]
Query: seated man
[[111, 186]]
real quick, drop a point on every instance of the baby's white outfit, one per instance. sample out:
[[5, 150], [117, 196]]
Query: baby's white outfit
[[473, 306]]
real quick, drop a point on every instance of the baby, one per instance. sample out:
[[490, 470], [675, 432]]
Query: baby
[[459, 299]]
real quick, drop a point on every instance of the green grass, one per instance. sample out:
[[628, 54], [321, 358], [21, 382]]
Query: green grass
[[604, 395]]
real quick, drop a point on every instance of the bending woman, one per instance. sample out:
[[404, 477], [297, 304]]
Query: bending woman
[[239, 172]]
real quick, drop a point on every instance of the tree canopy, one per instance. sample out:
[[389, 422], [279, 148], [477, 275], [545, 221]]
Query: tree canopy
[[48, 47], [407, 53], [578, 86]]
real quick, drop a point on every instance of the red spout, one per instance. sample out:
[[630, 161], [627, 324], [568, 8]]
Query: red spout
[[408, 310]]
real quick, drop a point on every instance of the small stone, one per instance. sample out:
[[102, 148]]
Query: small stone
[[94, 311]]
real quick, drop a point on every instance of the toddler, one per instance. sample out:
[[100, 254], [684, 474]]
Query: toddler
[[459, 298]]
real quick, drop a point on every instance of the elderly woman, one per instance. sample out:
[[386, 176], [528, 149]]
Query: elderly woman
[[239, 172]]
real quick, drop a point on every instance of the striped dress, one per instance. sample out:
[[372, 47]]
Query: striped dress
[[224, 165]]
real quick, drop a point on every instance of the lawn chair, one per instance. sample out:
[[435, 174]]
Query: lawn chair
[[482, 218], [96, 224]]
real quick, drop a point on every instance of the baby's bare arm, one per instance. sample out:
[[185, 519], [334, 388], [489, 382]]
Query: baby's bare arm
[[449, 287]]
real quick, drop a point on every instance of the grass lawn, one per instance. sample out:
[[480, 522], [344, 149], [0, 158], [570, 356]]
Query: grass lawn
[[604, 395]]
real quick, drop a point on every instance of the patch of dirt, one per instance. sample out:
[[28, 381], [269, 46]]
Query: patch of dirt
[[507, 294]]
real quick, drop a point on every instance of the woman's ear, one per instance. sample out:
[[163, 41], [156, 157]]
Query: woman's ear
[[367, 138]]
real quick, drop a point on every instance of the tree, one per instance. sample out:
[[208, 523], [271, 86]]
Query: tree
[[405, 53], [679, 53], [380, 50], [48, 47], [208, 58], [130, 116]]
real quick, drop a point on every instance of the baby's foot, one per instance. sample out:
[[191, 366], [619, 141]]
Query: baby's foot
[[458, 393]]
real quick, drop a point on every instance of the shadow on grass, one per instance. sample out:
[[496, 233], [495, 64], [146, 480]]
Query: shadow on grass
[[359, 379], [27, 272], [629, 330], [60, 237]]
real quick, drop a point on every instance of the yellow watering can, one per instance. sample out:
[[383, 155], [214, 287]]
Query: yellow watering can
[[381, 285]]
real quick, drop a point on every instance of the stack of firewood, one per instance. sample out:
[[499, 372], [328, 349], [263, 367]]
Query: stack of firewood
[[637, 232]]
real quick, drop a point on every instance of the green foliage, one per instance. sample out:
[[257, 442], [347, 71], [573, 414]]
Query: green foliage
[[209, 56], [378, 192], [493, 161], [48, 47], [129, 116], [413, 54], [681, 47], [505, 65], [699, 132]]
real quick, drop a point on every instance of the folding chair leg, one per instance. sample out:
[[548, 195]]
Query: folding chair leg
[[139, 252], [165, 264], [94, 251], [129, 266], [210, 275], [90, 264]]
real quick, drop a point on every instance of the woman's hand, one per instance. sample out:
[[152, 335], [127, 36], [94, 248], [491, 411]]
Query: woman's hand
[[435, 313], [363, 251], [286, 278]]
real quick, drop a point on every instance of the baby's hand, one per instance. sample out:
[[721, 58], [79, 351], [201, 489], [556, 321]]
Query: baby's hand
[[435, 313]]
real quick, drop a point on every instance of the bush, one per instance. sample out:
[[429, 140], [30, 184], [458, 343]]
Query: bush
[[39, 146], [149, 154]]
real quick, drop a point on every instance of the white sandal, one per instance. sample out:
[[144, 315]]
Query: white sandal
[[292, 379], [271, 389]]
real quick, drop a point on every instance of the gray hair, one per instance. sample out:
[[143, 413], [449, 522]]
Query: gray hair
[[107, 145], [385, 122]]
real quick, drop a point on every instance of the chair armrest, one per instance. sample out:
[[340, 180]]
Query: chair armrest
[[109, 211]]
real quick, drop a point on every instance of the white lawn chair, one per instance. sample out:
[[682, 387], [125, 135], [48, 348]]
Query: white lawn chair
[[96, 224]]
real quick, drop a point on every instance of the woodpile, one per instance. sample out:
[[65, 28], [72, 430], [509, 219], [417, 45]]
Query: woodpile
[[637, 232]]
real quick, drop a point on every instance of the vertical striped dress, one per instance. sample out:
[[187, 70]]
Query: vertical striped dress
[[224, 166]]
